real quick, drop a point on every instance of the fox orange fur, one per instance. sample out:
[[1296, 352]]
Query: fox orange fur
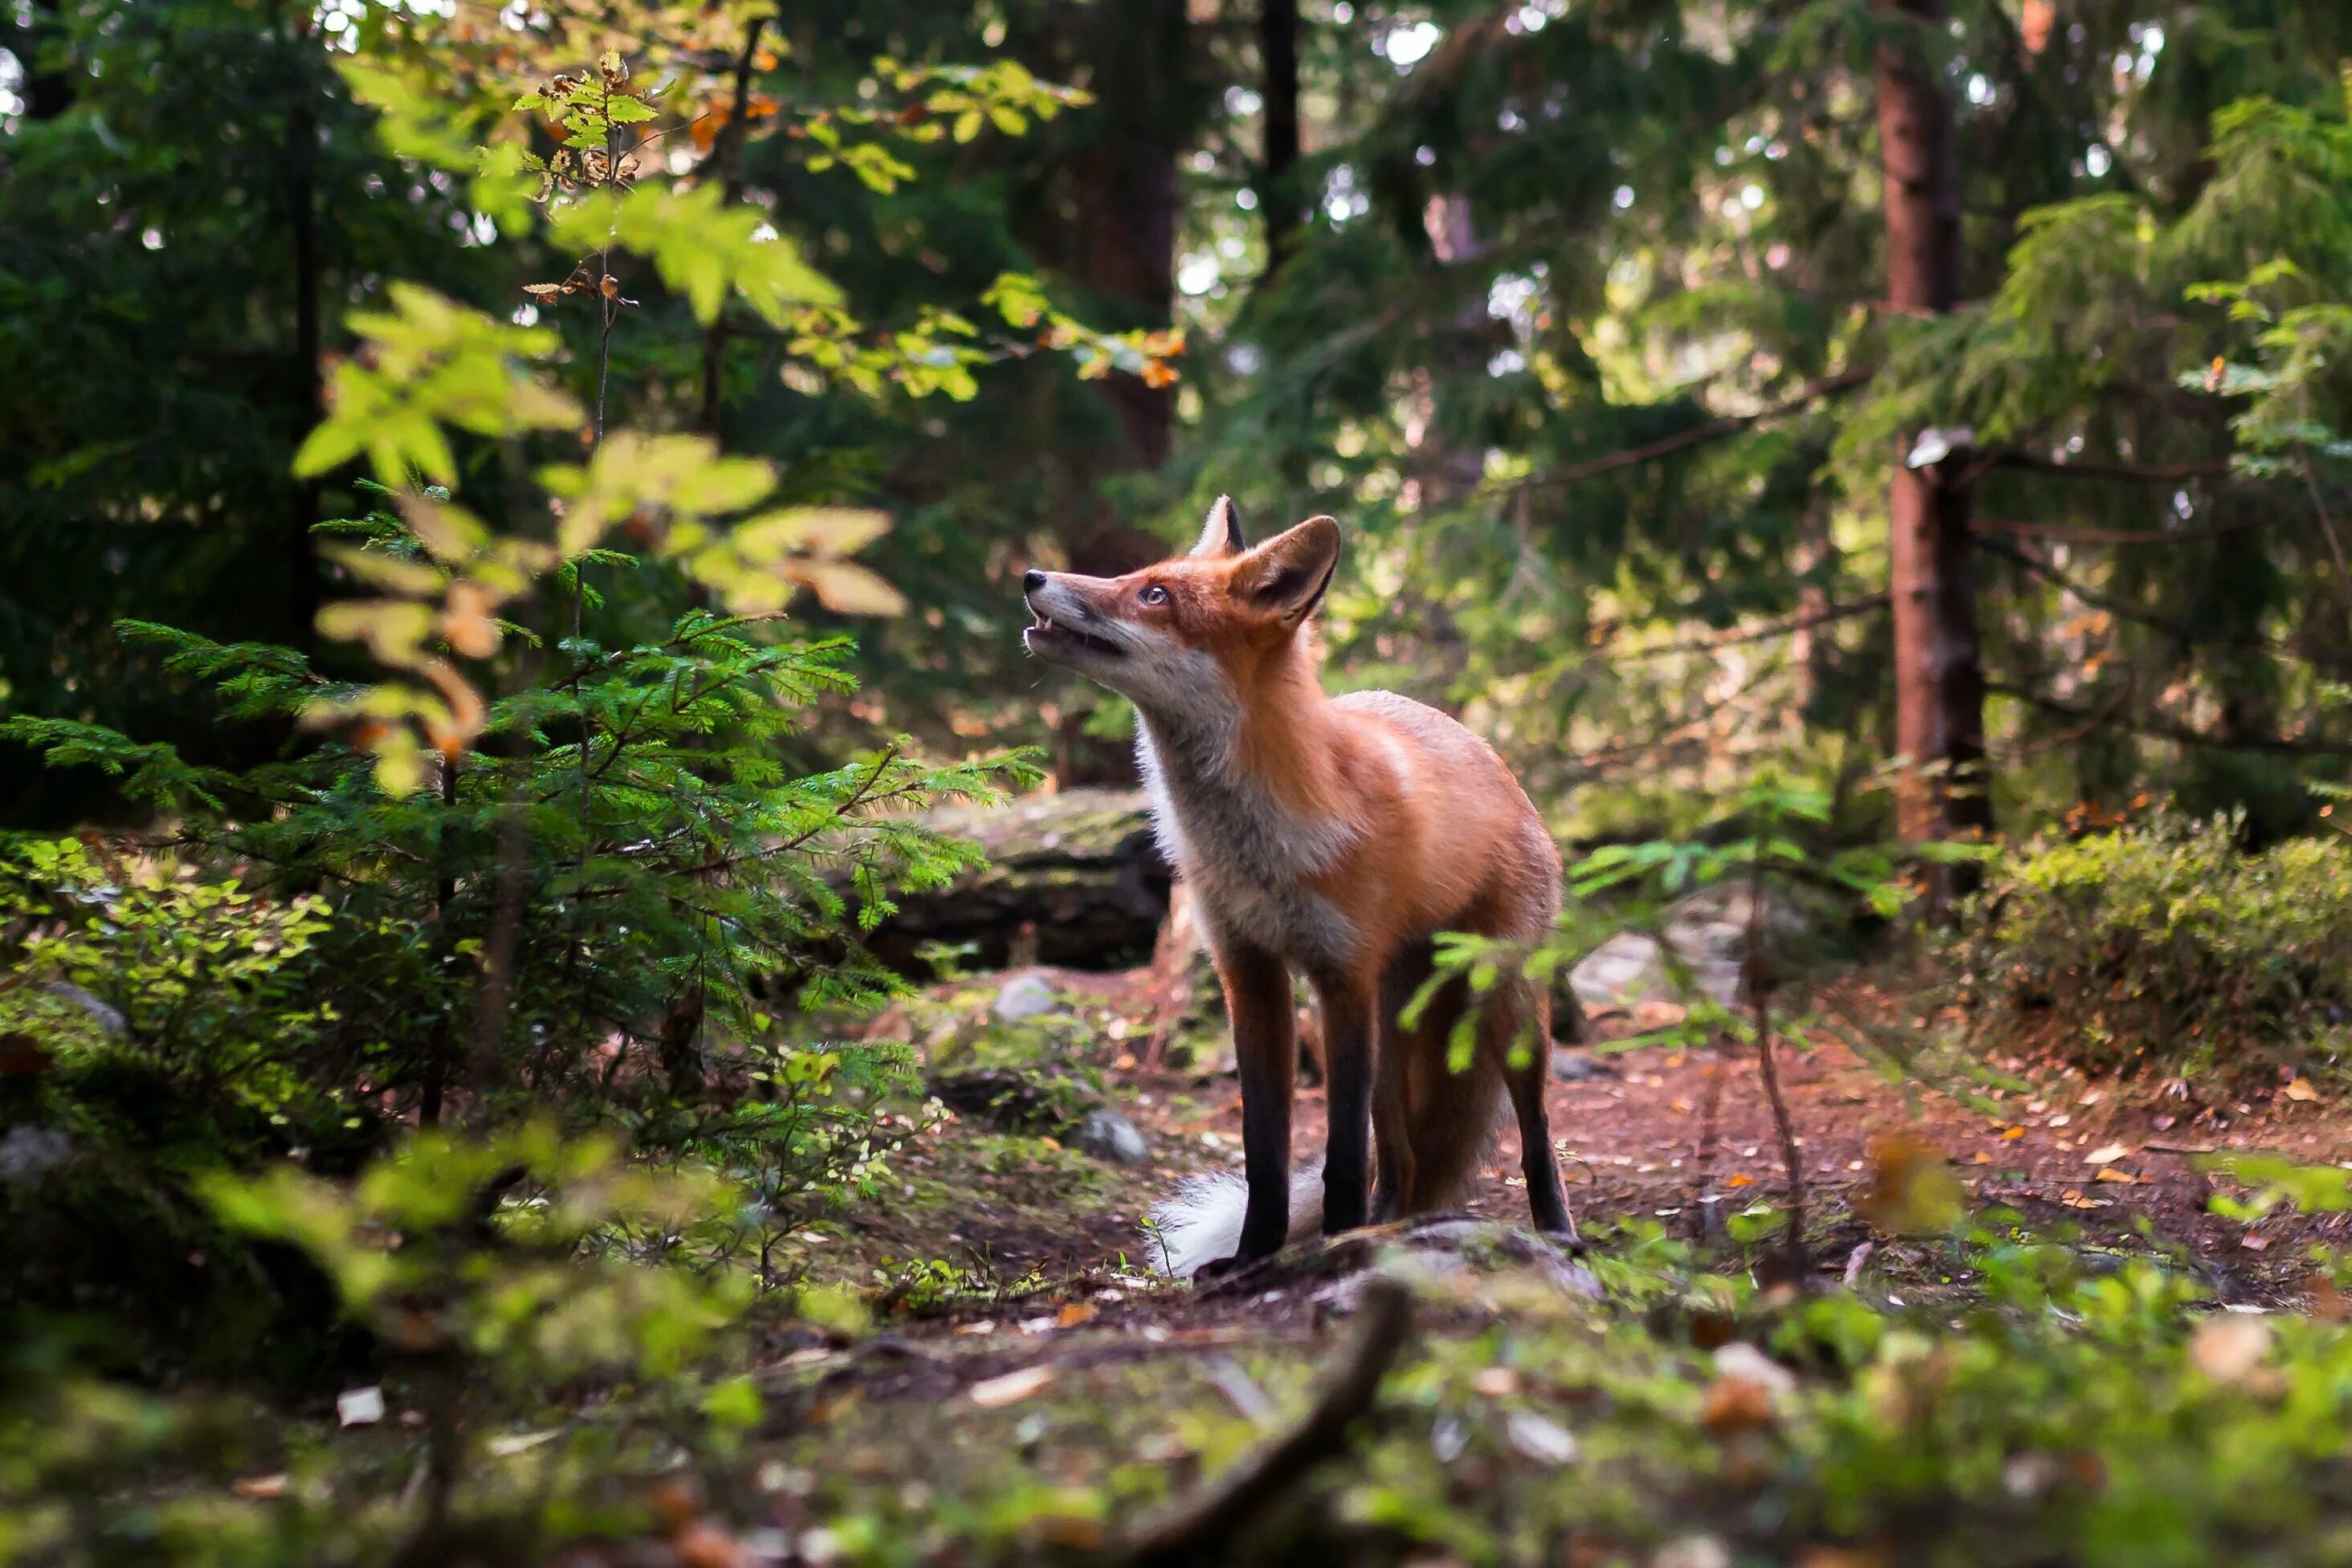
[[1334, 837]]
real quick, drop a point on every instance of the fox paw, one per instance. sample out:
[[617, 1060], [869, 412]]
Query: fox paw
[[1221, 1269], [1216, 1268]]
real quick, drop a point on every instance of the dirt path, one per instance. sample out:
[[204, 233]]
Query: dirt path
[[2064, 1152]]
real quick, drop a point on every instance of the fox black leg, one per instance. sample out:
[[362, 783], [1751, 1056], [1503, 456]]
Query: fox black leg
[[1347, 1014], [1266, 1049]]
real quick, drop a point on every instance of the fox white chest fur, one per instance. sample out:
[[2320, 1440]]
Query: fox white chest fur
[[1251, 861]]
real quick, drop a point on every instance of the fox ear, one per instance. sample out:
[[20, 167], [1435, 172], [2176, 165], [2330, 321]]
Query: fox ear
[[1221, 535], [1295, 567]]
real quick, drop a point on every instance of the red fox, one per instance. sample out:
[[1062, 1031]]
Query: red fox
[[1333, 835]]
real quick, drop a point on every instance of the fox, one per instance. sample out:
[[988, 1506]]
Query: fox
[[1333, 838]]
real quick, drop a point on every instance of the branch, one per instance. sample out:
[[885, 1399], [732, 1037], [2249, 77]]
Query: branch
[[1787, 626], [2102, 468], [2074, 536], [1204, 1530], [1713, 430], [2188, 636], [2180, 733]]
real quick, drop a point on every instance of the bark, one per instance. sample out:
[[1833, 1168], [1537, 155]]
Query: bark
[[308, 401], [1277, 48], [728, 157], [48, 91], [1938, 671]]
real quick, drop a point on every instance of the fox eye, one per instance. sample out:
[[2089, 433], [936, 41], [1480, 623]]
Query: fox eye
[[1155, 595]]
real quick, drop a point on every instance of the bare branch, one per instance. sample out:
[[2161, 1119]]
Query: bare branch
[[1713, 430]]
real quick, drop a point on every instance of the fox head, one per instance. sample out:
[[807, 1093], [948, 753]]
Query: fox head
[[1174, 635]]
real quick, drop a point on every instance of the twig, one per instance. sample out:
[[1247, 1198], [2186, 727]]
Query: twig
[[2182, 734], [1204, 1528], [2067, 534], [1759, 999], [1710, 1102], [1786, 626], [1713, 430], [2100, 468], [2326, 524]]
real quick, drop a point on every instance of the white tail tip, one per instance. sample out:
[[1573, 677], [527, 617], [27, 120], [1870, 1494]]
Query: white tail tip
[[1200, 1221]]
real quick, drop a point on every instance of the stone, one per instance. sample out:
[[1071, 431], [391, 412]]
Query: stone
[[1109, 1136], [1023, 997], [1708, 931], [1579, 1067]]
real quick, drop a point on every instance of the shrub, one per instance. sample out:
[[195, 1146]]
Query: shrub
[[2163, 944]]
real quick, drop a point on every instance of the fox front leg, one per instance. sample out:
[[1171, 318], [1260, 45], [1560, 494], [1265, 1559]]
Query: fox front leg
[[1266, 1049], [1349, 1013]]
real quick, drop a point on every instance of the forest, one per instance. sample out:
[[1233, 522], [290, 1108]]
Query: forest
[[701, 862]]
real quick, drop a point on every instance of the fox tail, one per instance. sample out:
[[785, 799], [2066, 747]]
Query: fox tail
[[1201, 1220]]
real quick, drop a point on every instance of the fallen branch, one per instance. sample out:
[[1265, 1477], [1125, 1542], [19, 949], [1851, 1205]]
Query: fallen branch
[[1202, 1528]]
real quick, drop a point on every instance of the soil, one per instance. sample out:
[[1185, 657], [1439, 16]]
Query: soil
[[2116, 1166]]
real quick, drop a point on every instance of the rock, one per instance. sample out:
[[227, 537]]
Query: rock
[[1541, 1439], [1109, 1136], [1047, 1105], [998, 1097], [30, 1152], [1023, 997], [108, 1018], [1707, 930], [1450, 1254], [1579, 1067], [1074, 879]]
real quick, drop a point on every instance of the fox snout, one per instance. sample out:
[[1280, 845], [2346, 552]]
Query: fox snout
[[1068, 629]]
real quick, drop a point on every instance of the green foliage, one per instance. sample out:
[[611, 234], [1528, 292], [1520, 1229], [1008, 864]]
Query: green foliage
[[522, 1256], [2166, 946], [197, 981]]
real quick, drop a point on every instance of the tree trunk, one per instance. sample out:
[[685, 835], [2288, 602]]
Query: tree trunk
[[309, 403], [1938, 673], [1110, 215], [1277, 49], [728, 158], [48, 90]]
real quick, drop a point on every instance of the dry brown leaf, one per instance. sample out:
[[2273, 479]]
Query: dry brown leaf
[[1010, 1388], [260, 1487], [1075, 1313], [1736, 1405], [2228, 1347], [1496, 1382], [2106, 1154]]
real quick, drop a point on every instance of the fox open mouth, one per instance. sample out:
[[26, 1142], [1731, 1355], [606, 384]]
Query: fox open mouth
[[1046, 628]]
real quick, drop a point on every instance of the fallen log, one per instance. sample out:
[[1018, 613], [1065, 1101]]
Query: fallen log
[[1207, 1527], [1073, 880]]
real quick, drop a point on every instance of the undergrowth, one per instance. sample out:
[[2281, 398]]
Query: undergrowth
[[2163, 947]]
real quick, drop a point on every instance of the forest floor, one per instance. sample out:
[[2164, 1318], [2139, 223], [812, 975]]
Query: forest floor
[[1036, 1388]]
